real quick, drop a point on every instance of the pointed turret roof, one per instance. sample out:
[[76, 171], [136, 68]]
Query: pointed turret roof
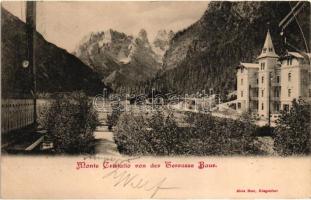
[[268, 48]]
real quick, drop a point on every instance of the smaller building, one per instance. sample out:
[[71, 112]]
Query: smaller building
[[273, 82]]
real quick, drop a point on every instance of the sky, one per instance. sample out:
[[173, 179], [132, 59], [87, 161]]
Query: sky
[[65, 23]]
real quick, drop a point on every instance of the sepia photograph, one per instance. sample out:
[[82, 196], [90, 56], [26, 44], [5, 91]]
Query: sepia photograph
[[155, 99]]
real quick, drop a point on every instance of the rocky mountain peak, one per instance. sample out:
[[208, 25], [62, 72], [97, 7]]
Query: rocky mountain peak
[[164, 35], [120, 59], [143, 35], [161, 42]]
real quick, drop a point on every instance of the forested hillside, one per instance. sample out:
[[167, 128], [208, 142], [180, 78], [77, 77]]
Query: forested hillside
[[205, 55], [57, 70]]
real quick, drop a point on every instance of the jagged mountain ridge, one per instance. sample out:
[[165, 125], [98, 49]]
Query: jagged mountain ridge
[[57, 70], [121, 59], [205, 54], [161, 43]]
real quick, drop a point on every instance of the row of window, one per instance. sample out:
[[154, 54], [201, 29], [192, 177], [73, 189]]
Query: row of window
[[289, 61], [264, 50], [277, 79], [277, 93], [263, 65], [277, 107]]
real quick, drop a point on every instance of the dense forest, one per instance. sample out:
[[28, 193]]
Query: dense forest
[[206, 54]]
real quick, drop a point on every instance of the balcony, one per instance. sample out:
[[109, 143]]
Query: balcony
[[275, 84], [275, 98], [253, 98], [253, 85]]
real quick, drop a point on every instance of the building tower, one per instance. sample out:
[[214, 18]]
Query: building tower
[[267, 63]]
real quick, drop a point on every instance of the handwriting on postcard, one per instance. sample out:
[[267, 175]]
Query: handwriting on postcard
[[120, 175]]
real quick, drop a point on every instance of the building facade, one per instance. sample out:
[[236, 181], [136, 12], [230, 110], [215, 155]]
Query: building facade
[[273, 82]]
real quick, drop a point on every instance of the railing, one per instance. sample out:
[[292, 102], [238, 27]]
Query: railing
[[16, 114], [19, 113], [254, 98]]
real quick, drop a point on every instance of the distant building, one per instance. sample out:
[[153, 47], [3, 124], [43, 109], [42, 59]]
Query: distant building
[[273, 82]]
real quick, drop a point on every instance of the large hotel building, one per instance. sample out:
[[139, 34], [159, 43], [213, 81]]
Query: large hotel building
[[273, 82]]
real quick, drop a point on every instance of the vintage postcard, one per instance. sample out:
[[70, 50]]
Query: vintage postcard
[[155, 99]]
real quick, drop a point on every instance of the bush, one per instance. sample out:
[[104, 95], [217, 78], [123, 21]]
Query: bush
[[204, 135], [264, 131], [130, 134], [219, 136], [70, 122], [112, 119], [165, 136], [143, 135], [292, 133]]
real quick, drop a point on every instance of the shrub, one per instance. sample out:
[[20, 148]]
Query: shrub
[[130, 133], [140, 134], [164, 135], [292, 133], [204, 135], [264, 131], [112, 119], [70, 122], [219, 136]]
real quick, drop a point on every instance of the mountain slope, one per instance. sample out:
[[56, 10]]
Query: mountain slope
[[122, 60], [57, 70], [204, 55]]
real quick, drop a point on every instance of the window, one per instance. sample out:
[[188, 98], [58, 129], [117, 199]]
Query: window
[[241, 93], [278, 79], [242, 70], [257, 80], [262, 79], [277, 93], [264, 50], [289, 92], [286, 107], [239, 105], [262, 106], [289, 76], [277, 107], [241, 81], [270, 49], [262, 66], [261, 93], [289, 61]]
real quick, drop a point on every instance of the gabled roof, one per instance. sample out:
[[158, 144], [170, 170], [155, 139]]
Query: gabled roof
[[250, 65], [268, 48], [294, 54]]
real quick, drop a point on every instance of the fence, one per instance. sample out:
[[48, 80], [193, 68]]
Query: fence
[[18, 113]]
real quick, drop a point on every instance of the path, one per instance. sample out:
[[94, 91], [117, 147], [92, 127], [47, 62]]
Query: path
[[105, 144]]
